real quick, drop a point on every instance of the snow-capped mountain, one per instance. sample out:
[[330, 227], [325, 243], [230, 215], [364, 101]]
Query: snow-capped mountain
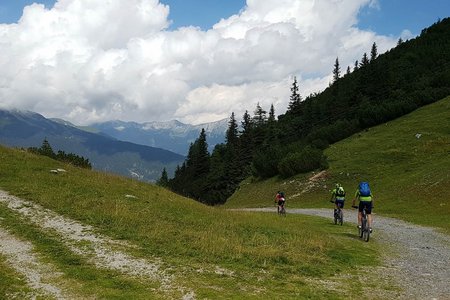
[[171, 135]]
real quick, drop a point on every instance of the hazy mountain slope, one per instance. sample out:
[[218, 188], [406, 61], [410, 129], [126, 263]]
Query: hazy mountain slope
[[172, 135], [26, 129]]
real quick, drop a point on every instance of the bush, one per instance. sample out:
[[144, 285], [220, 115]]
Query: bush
[[306, 160], [265, 163]]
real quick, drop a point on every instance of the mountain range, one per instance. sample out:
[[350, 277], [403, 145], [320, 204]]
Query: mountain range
[[172, 135], [106, 153]]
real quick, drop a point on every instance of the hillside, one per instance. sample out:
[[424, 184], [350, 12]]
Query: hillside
[[96, 232], [406, 161], [378, 90], [28, 129]]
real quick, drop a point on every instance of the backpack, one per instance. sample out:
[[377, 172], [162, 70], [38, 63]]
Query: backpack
[[364, 189], [340, 192]]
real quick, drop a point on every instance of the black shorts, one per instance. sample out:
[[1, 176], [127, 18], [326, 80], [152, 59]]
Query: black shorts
[[280, 202], [339, 203], [367, 205]]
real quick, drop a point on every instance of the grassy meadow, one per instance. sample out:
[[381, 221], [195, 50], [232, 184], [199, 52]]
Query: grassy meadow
[[406, 161], [217, 253]]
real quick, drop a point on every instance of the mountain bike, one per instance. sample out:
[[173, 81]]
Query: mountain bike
[[282, 210], [364, 231], [338, 215]]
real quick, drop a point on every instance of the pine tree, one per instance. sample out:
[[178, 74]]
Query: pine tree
[[231, 136], [356, 66], [364, 60], [260, 117], [46, 149], [164, 180], [373, 52], [246, 140], [295, 99], [271, 118], [202, 159], [336, 70], [400, 41], [348, 70], [247, 123]]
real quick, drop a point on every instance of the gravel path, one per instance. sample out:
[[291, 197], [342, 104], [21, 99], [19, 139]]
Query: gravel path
[[419, 257], [19, 254], [102, 251]]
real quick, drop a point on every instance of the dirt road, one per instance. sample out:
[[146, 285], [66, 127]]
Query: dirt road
[[418, 257]]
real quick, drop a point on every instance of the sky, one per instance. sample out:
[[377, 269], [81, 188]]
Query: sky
[[196, 61]]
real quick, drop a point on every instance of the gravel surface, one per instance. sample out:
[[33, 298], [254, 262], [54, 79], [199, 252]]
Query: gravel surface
[[418, 257], [100, 250], [19, 254]]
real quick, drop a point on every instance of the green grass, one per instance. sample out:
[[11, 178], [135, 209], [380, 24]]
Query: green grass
[[219, 254], [80, 276], [11, 283], [409, 176]]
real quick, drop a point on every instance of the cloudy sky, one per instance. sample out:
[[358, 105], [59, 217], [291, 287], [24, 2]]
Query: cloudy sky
[[193, 60]]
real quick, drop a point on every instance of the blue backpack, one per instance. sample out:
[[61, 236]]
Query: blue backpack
[[364, 189]]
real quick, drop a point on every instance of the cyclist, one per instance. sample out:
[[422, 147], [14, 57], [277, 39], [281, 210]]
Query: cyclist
[[365, 197], [338, 197], [280, 200]]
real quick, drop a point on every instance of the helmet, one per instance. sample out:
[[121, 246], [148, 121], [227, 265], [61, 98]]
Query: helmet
[[338, 185]]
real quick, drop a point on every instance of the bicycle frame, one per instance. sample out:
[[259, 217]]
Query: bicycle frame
[[282, 209], [364, 231]]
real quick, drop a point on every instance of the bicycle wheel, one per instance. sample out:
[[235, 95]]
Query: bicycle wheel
[[366, 234], [363, 225], [341, 217], [335, 218], [283, 211]]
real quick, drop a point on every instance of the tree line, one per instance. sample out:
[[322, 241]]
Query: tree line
[[47, 150], [378, 89]]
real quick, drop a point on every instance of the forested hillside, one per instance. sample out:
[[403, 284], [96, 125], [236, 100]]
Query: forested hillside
[[378, 89]]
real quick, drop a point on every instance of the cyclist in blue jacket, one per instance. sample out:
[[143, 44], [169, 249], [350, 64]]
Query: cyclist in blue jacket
[[365, 201]]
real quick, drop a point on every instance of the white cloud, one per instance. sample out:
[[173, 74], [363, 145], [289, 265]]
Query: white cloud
[[95, 60]]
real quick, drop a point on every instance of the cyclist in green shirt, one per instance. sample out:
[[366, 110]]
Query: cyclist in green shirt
[[365, 201], [338, 196]]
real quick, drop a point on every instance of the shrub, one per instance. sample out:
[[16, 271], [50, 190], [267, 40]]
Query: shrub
[[306, 160], [265, 163]]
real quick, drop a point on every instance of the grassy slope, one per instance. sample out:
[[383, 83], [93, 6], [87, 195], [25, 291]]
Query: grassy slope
[[409, 176], [260, 249]]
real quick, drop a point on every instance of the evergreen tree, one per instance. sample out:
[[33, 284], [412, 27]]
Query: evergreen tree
[[164, 180], [231, 136], [356, 66], [259, 117], [295, 99], [400, 41], [271, 118], [198, 156], [336, 70], [373, 52], [46, 149], [364, 60], [348, 70], [246, 141]]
